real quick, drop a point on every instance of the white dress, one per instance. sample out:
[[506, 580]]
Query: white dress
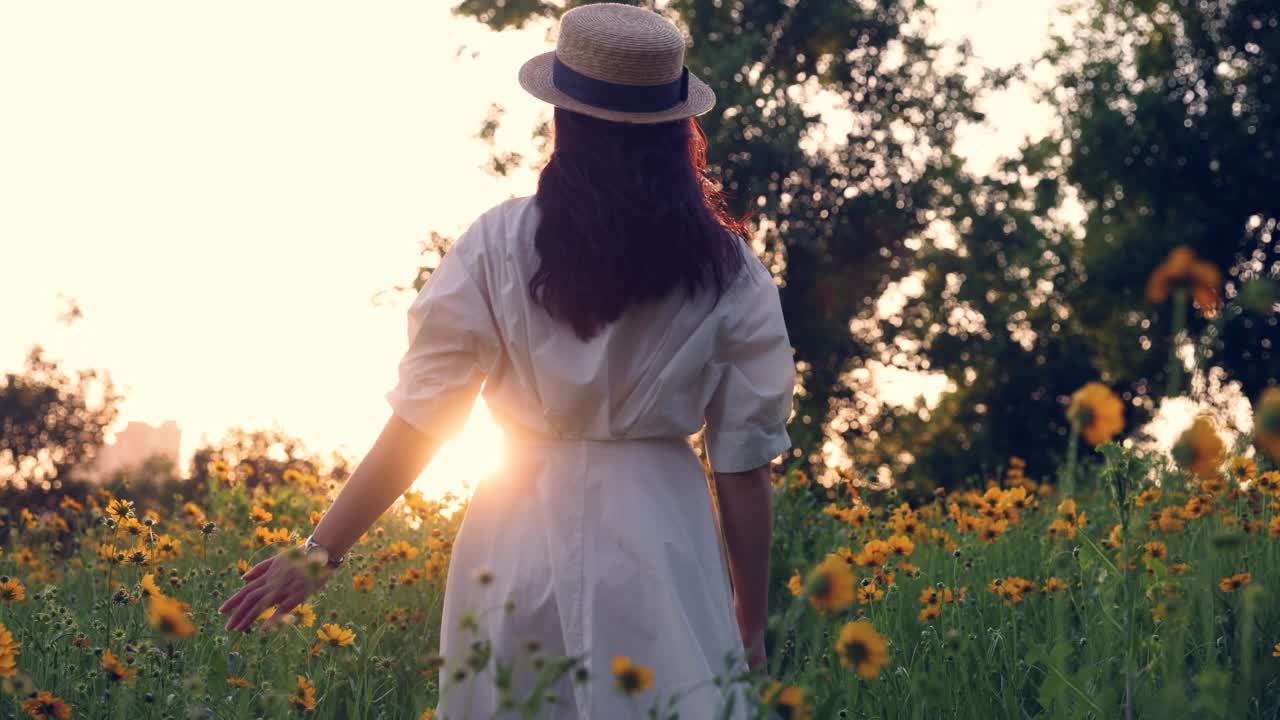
[[598, 529]]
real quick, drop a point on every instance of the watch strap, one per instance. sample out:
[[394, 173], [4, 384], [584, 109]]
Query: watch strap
[[332, 560]]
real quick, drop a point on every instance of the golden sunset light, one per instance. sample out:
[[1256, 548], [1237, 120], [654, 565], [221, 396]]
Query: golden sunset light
[[225, 216], [806, 359]]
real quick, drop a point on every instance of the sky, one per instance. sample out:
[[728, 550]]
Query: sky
[[224, 188]]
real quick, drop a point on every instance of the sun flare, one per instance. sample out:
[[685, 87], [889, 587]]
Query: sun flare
[[468, 458]]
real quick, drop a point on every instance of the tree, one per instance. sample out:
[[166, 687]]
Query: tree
[[261, 457], [51, 422], [837, 193], [1171, 128], [991, 313], [1168, 137]]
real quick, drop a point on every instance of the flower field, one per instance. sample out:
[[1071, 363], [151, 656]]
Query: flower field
[[1011, 600], [1125, 583]]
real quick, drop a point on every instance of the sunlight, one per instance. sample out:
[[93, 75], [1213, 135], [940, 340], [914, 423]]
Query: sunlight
[[465, 460]]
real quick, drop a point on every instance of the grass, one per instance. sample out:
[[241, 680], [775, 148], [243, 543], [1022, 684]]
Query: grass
[[1000, 601]]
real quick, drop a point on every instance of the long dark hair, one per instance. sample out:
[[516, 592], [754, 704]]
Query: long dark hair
[[627, 216]]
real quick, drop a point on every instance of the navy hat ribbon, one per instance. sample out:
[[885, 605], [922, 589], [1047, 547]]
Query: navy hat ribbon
[[617, 96]]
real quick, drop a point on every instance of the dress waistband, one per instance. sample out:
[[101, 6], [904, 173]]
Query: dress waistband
[[526, 436]]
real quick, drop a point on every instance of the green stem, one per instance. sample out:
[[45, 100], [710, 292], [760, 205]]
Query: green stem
[[1174, 369], [1073, 449]]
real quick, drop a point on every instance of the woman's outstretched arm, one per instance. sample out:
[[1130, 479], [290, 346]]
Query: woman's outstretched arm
[[396, 459], [746, 516], [387, 470]]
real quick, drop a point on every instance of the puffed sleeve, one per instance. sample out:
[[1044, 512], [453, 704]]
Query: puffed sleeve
[[747, 414], [452, 344]]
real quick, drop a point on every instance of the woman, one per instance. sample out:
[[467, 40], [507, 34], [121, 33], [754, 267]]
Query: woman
[[608, 316]]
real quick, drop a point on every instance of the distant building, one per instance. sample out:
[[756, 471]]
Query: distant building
[[137, 442]]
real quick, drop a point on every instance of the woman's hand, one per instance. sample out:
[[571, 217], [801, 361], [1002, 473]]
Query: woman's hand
[[284, 580]]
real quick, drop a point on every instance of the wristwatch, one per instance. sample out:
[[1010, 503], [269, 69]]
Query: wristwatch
[[332, 561]]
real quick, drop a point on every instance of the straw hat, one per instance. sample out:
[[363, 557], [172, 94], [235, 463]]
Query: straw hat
[[618, 62]]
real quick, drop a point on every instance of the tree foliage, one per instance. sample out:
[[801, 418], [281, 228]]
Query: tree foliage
[[1167, 137], [836, 194], [1170, 132], [261, 457], [51, 421]]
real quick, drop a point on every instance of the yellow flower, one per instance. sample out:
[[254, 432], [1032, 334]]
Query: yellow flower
[[796, 587], [1012, 589], [1060, 528], [139, 555], [11, 590], [1159, 612], [306, 699], [991, 530], [119, 509], [167, 615], [1171, 520], [1155, 550], [267, 536], [132, 528], [931, 596], [929, 612], [1182, 268], [167, 544], [8, 653], [1096, 412], [260, 515], [830, 585], [1243, 469], [904, 521], [873, 554], [855, 516], [1150, 496], [1266, 423], [306, 614], [1113, 538], [402, 550], [631, 679], [148, 585], [1235, 582], [901, 545], [45, 705], [116, 670], [788, 700], [428, 714], [861, 647], [336, 635], [1269, 482], [1015, 500], [240, 682], [1053, 585], [1199, 449], [1276, 651], [869, 592]]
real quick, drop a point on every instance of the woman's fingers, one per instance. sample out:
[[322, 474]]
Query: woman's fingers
[[275, 590], [242, 609], [258, 569], [285, 605], [234, 601], [252, 607]]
